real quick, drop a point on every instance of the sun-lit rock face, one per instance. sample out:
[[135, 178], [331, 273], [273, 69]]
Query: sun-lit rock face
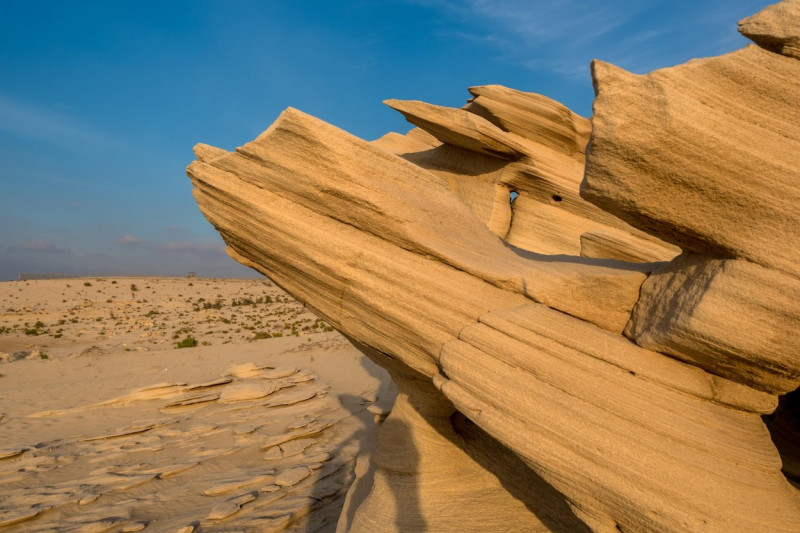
[[583, 340], [776, 28]]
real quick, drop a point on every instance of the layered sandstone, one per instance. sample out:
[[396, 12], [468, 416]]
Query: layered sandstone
[[582, 340]]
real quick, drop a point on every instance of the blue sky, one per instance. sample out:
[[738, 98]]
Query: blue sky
[[101, 102]]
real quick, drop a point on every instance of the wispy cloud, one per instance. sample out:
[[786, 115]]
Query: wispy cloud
[[40, 246], [190, 247], [569, 21], [563, 37], [130, 240], [559, 37], [35, 122]]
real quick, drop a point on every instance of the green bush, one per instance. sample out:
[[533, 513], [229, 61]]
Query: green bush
[[188, 342], [215, 305], [37, 329]]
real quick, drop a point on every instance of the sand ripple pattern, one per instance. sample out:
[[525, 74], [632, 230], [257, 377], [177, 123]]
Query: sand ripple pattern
[[254, 450]]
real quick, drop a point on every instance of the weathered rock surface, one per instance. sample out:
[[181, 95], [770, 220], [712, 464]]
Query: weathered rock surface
[[460, 128], [532, 116], [706, 155], [776, 28], [538, 162], [732, 317], [556, 373]]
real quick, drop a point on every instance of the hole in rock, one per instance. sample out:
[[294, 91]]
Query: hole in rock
[[557, 198], [513, 195], [784, 428]]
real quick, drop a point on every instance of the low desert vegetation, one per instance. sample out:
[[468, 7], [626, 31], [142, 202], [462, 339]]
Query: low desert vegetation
[[37, 329], [209, 314], [187, 342]]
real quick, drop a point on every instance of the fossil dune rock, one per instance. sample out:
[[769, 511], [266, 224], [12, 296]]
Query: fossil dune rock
[[595, 355], [776, 28], [706, 154]]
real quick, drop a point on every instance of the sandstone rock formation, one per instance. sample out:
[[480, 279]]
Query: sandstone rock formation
[[582, 340]]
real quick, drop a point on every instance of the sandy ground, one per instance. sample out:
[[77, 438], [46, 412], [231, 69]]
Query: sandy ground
[[106, 425]]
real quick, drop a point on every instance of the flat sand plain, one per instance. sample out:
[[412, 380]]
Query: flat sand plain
[[106, 425]]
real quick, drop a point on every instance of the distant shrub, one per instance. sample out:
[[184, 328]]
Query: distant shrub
[[188, 342], [44, 356], [134, 288], [277, 334], [37, 329], [87, 284], [215, 305]]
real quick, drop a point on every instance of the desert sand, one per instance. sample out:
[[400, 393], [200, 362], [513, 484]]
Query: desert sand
[[105, 425]]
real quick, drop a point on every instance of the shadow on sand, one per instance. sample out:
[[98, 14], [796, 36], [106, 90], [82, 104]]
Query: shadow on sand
[[398, 461]]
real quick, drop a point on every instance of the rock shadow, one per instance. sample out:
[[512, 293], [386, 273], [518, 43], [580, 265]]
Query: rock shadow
[[784, 429], [355, 485], [542, 499]]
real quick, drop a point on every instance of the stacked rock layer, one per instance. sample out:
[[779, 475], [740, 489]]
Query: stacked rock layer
[[583, 340]]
